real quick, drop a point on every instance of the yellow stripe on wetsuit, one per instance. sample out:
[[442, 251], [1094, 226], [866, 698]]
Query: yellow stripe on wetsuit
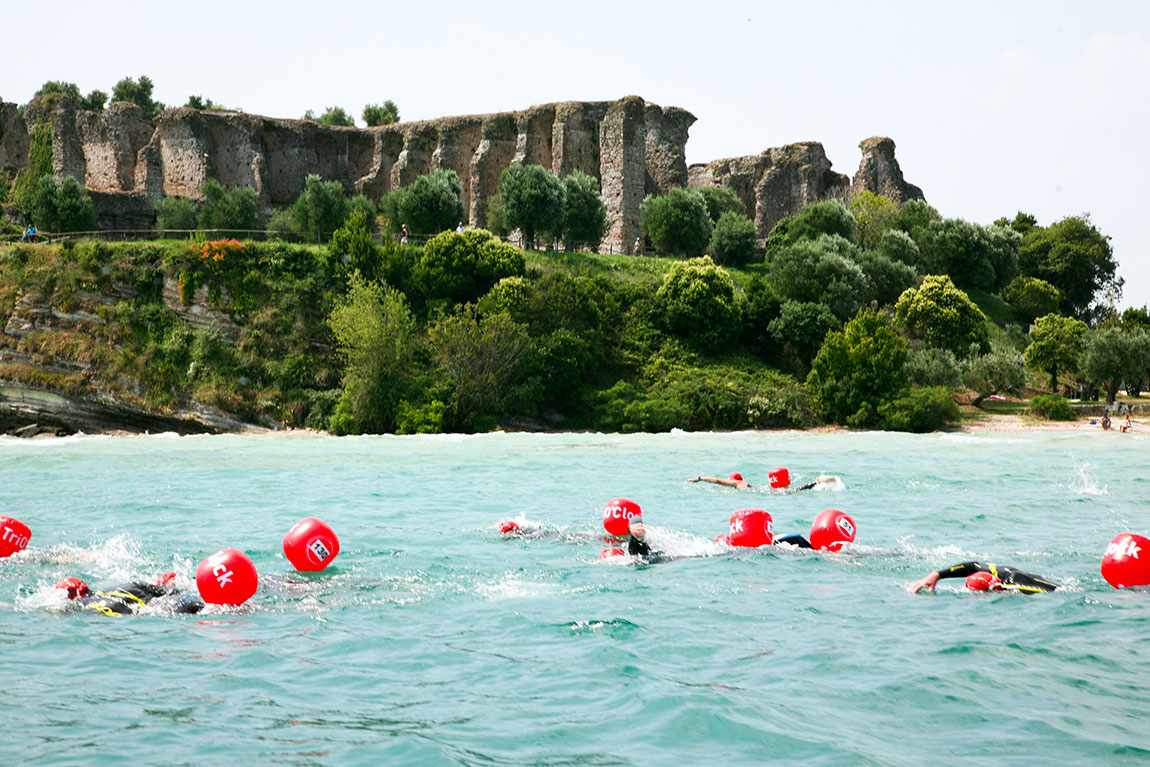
[[102, 608]]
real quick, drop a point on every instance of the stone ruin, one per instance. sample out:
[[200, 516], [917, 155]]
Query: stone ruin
[[631, 146]]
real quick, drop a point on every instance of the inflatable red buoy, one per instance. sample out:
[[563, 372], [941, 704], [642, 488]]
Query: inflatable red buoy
[[310, 545], [831, 529], [612, 552], [735, 476], [507, 526], [752, 528], [1127, 561], [14, 536], [617, 515], [779, 477], [74, 586], [982, 581], [227, 577]]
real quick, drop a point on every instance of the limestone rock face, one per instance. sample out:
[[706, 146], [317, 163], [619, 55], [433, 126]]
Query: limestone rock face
[[631, 146], [880, 173], [776, 183]]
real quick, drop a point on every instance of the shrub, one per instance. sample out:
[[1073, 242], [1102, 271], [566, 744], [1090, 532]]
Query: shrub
[[800, 330], [857, 370], [234, 213], [381, 114], [320, 209], [429, 205], [337, 116], [353, 246], [974, 256], [942, 315], [1052, 407], [761, 306], [677, 222], [932, 366], [94, 101], [825, 217], [463, 266], [920, 410], [697, 299], [138, 92], [62, 206], [1002, 370], [1032, 297], [720, 200], [533, 201], [176, 213], [733, 240], [585, 222], [821, 271], [874, 216], [886, 279], [897, 245]]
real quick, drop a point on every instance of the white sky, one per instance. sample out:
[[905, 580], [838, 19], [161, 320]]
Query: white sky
[[995, 107]]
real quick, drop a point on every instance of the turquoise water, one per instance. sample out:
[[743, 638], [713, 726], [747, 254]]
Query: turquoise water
[[434, 641]]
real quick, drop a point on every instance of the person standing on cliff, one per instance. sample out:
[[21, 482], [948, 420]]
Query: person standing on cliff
[[403, 239]]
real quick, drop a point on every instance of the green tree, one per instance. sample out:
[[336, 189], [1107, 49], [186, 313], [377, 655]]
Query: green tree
[[336, 116], [914, 216], [821, 271], [899, 246], [94, 101], [697, 299], [381, 114], [800, 330], [858, 370], [139, 92], [585, 222], [483, 358], [176, 213], [942, 315], [321, 208], [353, 246], [199, 102], [874, 215], [62, 206], [431, 204], [720, 200], [1111, 356], [1032, 297], [1055, 343], [932, 366], [677, 222], [1073, 256], [886, 279], [533, 201], [761, 306], [1001, 370], [464, 266], [375, 334], [1022, 223], [235, 212], [824, 217], [984, 258], [733, 240], [496, 218]]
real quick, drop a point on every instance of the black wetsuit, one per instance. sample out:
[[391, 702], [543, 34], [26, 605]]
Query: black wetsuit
[[130, 597], [795, 540], [1012, 579]]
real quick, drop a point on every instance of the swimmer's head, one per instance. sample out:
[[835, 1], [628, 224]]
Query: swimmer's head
[[983, 581], [736, 476], [163, 579], [73, 586]]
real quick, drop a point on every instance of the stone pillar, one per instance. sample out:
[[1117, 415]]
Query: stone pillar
[[622, 166], [495, 152]]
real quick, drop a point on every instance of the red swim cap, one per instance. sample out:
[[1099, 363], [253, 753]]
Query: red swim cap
[[736, 475], [983, 581], [74, 586]]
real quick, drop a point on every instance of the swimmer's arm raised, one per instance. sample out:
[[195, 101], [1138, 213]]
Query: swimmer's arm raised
[[720, 481], [955, 571]]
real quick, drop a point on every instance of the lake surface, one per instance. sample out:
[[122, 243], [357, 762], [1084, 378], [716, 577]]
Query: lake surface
[[433, 640]]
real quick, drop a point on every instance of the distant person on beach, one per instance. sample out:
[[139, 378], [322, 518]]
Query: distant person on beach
[[1106, 422], [1125, 427], [736, 481], [129, 598], [986, 576]]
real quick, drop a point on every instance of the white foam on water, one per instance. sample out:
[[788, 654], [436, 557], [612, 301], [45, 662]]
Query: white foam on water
[[513, 586], [1084, 481]]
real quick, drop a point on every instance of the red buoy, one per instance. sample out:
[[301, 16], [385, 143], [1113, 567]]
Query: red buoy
[[14, 536], [611, 552], [1127, 561], [227, 577], [779, 477], [617, 515], [74, 586], [831, 529], [310, 545], [752, 528], [982, 581]]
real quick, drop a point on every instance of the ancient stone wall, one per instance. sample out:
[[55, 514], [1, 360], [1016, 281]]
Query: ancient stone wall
[[781, 180]]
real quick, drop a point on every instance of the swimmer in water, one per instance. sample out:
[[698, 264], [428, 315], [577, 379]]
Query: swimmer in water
[[986, 576], [129, 598], [736, 481]]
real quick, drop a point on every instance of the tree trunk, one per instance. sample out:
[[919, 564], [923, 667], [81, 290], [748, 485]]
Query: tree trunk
[[1053, 379], [1112, 390]]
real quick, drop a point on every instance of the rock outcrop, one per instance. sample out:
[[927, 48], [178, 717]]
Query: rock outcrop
[[780, 181], [631, 146]]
